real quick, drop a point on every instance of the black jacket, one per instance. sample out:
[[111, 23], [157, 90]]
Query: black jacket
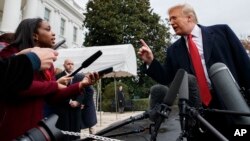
[[16, 73]]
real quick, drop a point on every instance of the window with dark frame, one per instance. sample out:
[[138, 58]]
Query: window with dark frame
[[75, 34], [47, 14], [62, 27]]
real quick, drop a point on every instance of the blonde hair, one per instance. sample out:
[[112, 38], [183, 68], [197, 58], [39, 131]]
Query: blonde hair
[[187, 10]]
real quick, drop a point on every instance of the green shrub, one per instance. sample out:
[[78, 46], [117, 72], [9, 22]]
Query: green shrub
[[108, 95], [140, 104]]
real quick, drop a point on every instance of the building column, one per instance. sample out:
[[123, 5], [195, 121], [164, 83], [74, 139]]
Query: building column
[[11, 15], [31, 9]]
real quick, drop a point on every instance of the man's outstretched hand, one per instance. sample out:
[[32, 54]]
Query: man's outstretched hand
[[145, 53]]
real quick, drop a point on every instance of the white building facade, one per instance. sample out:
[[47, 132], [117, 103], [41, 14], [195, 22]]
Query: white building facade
[[65, 17]]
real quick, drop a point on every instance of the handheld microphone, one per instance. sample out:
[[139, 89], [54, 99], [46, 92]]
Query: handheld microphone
[[105, 71], [57, 45], [228, 92], [87, 62]]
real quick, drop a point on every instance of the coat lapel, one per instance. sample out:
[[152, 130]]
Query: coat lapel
[[207, 39], [183, 56]]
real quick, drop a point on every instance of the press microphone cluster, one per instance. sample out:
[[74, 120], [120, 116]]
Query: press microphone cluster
[[161, 111], [188, 112], [160, 94]]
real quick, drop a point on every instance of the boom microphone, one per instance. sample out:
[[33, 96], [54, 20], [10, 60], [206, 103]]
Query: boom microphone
[[87, 62], [228, 92], [183, 99]]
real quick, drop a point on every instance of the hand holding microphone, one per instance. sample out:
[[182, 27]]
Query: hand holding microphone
[[89, 79], [64, 80]]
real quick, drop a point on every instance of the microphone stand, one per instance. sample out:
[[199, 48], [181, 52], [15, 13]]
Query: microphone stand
[[238, 117], [121, 124], [194, 113], [225, 112], [182, 113], [127, 133], [163, 110]]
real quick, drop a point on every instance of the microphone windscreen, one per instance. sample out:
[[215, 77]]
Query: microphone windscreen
[[194, 94], [157, 94], [183, 91], [174, 88], [228, 91]]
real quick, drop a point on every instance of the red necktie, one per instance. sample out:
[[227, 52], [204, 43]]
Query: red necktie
[[199, 71]]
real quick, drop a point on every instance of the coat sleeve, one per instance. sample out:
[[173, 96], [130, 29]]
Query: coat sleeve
[[240, 57], [50, 91], [88, 94], [162, 73], [63, 94], [13, 80], [77, 78], [40, 88]]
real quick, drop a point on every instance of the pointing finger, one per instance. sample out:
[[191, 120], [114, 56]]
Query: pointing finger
[[143, 43]]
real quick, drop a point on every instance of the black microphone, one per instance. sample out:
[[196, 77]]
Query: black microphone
[[161, 94], [157, 94], [228, 92], [87, 62], [183, 99], [105, 71], [163, 110], [174, 88], [119, 124], [57, 45]]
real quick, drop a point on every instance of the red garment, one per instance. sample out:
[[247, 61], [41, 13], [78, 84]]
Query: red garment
[[3, 45], [22, 111]]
